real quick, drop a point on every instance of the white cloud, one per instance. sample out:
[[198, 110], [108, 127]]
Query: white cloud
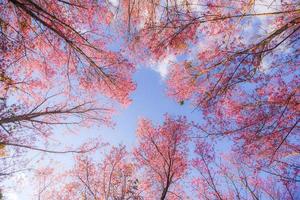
[[265, 64], [163, 65], [266, 6], [114, 2], [11, 196], [19, 192]]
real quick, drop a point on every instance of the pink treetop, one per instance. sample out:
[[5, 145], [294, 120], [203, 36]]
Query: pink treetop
[[162, 155], [112, 178], [64, 45]]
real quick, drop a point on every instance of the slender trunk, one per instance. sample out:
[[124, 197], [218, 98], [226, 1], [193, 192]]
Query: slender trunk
[[164, 194], [165, 191]]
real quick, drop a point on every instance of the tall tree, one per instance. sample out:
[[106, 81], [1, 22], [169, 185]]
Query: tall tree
[[226, 176], [162, 155], [66, 43], [113, 178]]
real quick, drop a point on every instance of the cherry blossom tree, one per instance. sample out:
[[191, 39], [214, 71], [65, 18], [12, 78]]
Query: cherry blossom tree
[[163, 156], [53, 47], [226, 176], [66, 42], [112, 178]]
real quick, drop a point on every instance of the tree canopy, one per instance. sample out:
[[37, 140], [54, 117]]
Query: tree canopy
[[70, 63]]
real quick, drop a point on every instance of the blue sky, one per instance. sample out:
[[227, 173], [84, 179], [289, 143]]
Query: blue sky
[[149, 100]]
